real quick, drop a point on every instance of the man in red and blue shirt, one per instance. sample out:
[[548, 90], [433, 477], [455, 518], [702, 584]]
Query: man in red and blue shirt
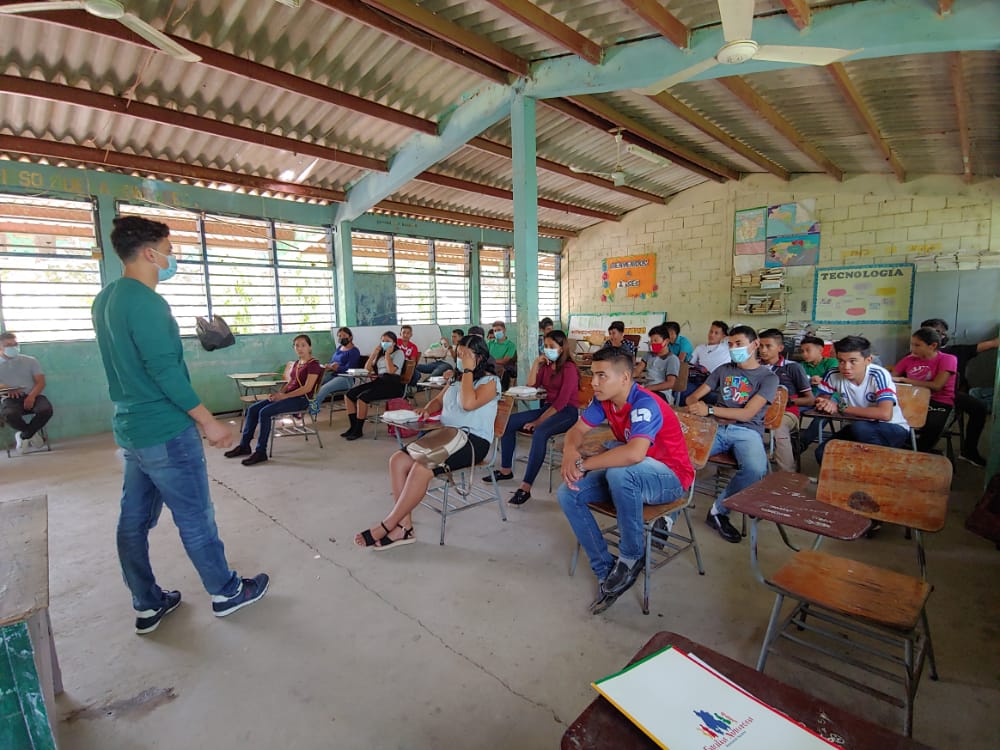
[[649, 465]]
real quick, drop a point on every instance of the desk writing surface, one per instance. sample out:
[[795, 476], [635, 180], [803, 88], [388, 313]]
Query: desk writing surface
[[603, 727], [24, 557], [790, 499]]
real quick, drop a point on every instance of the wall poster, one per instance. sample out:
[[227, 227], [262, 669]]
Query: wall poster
[[629, 276], [872, 294]]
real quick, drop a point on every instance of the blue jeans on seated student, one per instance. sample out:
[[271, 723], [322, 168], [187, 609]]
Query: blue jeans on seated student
[[747, 446], [557, 424], [648, 482], [261, 413], [433, 369], [171, 473], [336, 384], [873, 433]]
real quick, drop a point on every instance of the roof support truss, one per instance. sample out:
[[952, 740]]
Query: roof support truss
[[551, 28], [661, 19], [962, 110]]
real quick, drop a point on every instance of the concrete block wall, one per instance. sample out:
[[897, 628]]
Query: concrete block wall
[[864, 220]]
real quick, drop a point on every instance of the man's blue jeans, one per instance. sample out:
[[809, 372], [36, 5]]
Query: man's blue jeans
[[336, 384], [873, 433], [173, 473], [648, 482], [747, 446], [261, 413], [557, 424]]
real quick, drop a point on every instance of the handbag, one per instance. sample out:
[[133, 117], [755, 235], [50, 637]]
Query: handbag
[[437, 446]]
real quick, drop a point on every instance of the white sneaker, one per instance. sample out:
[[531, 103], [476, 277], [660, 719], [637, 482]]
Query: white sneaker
[[18, 442], [36, 441]]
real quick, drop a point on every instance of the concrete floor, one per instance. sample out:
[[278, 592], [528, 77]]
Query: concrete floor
[[483, 643]]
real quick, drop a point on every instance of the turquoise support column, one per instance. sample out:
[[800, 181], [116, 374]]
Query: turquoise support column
[[111, 266], [522, 131], [475, 293], [343, 260]]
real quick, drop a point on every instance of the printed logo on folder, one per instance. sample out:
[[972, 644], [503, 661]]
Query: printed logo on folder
[[683, 705]]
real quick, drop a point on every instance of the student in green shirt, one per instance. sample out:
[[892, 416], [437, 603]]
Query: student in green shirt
[[156, 411], [504, 352], [816, 366]]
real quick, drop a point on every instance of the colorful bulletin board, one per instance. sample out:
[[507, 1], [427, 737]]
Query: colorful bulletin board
[[629, 276], [872, 294]]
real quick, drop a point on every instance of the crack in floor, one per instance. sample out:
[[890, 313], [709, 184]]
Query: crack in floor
[[350, 572]]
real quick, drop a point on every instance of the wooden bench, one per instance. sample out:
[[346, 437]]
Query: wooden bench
[[25, 628]]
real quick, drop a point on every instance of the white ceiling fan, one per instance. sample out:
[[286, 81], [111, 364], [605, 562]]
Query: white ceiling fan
[[737, 27], [618, 176], [114, 11]]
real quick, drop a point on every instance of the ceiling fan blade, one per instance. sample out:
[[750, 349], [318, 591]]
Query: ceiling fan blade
[[665, 83], [39, 7], [737, 19], [158, 38], [804, 55]]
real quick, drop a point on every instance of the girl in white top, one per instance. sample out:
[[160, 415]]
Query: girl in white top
[[470, 404]]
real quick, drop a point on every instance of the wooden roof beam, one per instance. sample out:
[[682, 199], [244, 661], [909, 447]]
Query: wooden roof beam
[[438, 27], [756, 103], [250, 70], [962, 108], [434, 44], [675, 106], [662, 20], [103, 158], [799, 11], [856, 102], [679, 155], [551, 28], [498, 192], [162, 116]]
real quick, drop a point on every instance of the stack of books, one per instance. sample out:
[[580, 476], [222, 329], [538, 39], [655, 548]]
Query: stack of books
[[766, 278]]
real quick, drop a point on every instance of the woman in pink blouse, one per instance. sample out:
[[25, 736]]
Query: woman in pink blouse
[[554, 372], [927, 367]]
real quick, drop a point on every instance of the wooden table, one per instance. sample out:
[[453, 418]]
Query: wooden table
[[602, 726]]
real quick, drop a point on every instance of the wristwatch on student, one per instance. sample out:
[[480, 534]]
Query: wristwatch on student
[[841, 406], [579, 465], [711, 411]]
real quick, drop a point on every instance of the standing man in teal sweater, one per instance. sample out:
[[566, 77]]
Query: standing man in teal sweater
[[154, 422]]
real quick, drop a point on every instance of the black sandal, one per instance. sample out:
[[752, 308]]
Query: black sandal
[[520, 497], [369, 540], [407, 538]]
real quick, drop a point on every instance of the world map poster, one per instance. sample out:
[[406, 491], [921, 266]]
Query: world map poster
[[749, 231]]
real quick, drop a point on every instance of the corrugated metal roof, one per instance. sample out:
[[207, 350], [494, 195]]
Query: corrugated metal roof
[[910, 98]]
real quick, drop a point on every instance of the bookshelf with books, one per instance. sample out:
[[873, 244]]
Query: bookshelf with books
[[762, 292]]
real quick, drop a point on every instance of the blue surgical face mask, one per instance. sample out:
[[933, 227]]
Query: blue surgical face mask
[[551, 354], [739, 354], [165, 274], [458, 365], [11, 351], [386, 346], [499, 335]]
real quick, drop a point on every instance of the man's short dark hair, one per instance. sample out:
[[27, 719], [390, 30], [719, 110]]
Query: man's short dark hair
[[673, 325], [477, 331], [747, 331], [935, 323], [773, 334], [814, 340], [499, 324], [616, 325], [459, 331], [131, 233], [545, 323], [8, 335], [660, 330], [406, 327], [616, 356], [721, 325], [853, 344]]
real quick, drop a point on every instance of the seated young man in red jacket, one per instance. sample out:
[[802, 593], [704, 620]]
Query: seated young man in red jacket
[[649, 466]]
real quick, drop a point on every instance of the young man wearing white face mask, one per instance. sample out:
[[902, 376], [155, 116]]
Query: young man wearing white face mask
[[744, 388], [156, 411], [25, 381]]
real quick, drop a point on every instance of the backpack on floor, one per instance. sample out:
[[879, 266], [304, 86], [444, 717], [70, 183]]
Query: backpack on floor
[[985, 518], [396, 404]]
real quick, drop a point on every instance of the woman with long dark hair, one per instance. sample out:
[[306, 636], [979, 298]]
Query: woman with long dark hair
[[470, 403], [385, 365], [554, 372]]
